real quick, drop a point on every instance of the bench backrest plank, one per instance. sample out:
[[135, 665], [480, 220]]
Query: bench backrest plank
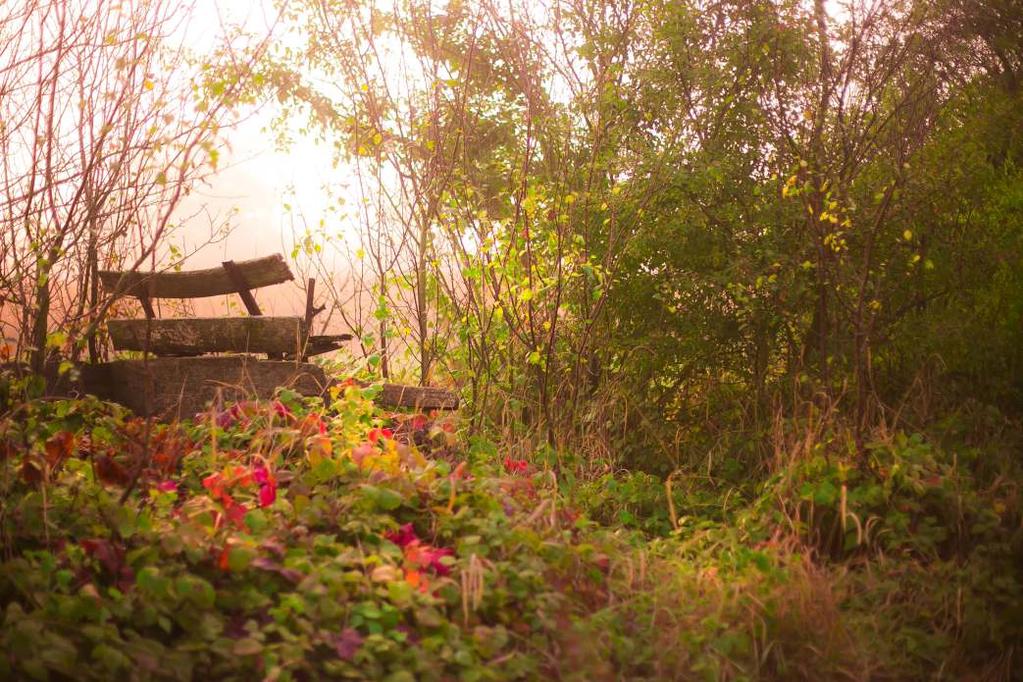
[[197, 335], [258, 272]]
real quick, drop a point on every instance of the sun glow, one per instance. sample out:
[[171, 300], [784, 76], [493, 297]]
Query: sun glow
[[265, 190]]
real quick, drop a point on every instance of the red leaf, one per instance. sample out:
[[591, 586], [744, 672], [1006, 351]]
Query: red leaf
[[428, 557], [109, 471], [222, 561], [405, 535], [376, 434], [236, 512], [516, 466], [260, 474], [281, 409], [267, 494], [311, 425], [30, 473], [347, 644], [110, 556]]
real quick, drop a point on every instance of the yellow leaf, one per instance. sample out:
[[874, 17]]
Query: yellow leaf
[[384, 574]]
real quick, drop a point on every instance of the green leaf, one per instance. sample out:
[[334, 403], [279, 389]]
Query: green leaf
[[384, 499], [150, 581], [111, 659], [400, 593], [56, 339], [825, 494], [196, 591], [247, 647], [256, 521], [239, 558]]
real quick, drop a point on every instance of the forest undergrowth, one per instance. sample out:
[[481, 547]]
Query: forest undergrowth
[[306, 538]]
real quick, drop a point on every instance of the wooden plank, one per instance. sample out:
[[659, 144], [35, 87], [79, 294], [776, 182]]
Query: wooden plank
[[182, 386], [310, 291], [419, 397], [242, 287], [190, 336], [259, 272], [147, 306], [320, 344], [311, 309]]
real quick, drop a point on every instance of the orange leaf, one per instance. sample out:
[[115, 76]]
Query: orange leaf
[[319, 447], [416, 580], [59, 447]]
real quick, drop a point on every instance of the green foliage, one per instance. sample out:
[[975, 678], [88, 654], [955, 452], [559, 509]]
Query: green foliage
[[717, 212], [200, 572], [736, 292], [297, 538]]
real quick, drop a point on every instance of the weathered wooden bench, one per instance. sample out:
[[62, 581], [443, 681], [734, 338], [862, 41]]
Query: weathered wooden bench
[[184, 377], [276, 336]]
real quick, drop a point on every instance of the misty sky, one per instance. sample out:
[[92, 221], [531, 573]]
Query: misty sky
[[256, 180]]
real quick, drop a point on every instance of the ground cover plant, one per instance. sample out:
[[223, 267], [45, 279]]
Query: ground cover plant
[[303, 538]]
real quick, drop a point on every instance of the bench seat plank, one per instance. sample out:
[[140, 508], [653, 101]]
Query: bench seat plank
[[197, 335], [258, 272], [318, 345]]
